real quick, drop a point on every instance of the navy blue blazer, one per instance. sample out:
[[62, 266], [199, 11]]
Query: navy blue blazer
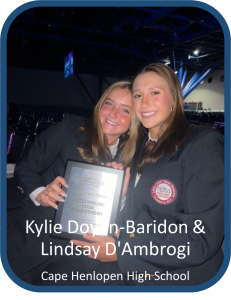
[[177, 189], [49, 154], [46, 160]]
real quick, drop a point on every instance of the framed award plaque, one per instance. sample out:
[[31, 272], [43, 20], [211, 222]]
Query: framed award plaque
[[92, 200]]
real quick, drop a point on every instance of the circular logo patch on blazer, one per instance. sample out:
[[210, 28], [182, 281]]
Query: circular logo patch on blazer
[[163, 192]]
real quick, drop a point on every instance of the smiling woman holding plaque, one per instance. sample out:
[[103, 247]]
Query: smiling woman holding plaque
[[172, 223], [111, 135]]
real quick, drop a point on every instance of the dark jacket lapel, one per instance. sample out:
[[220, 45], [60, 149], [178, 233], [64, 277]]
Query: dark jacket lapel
[[133, 172]]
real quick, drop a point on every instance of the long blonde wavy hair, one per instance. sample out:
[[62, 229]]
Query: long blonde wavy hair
[[96, 148]]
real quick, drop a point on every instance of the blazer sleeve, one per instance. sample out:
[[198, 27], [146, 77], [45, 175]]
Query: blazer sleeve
[[202, 201], [44, 151]]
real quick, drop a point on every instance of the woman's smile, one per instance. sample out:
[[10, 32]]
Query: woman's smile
[[110, 122], [148, 114]]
